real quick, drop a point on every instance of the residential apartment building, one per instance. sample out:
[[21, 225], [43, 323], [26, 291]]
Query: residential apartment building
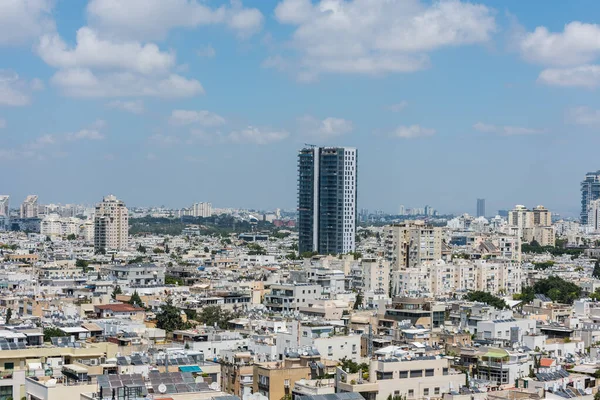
[[530, 225], [202, 209], [411, 378], [412, 243], [111, 225], [290, 297], [593, 215], [327, 192], [375, 275], [138, 275], [29, 207], [54, 226]]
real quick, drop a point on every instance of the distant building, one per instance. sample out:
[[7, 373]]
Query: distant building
[[29, 208], [4, 205], [203, 210], [532, 225], [480, 207], [590, 191], [593, 219], [111, 225], [327, 199], [412, 243], [503, 213]]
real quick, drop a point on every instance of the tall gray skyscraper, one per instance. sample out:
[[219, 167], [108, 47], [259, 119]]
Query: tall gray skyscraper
[[480, 207], [327, 199], [590, 191]]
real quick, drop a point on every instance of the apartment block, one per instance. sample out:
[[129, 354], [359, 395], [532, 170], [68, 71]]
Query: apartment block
[[111, 225]]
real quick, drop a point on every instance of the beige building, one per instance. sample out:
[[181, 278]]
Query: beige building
[[111, 225], [276, 379], [412, 243], [29, 208], [532, 225], [416, 378]]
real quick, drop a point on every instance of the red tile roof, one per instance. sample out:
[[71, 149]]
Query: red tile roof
[[546, 362], [118, 307]]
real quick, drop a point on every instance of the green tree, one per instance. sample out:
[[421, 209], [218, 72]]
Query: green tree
[[596, 272], [169, 318], [8, 315], [52, 332], [216, 315], [141, 249], [83, 264], [116, 291], [206, 249], [487, 298], [173, 280], [136, 300], [71, 236], [359, 300]]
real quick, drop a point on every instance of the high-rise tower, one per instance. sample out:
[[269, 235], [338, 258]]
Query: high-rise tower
[[327, 188], [111, 225], [590, 191], [480, 207]]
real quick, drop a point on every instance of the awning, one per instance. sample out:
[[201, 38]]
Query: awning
[[189, 368]]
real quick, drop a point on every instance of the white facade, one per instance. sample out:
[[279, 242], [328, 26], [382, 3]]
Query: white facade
[[594, 215], [111, 225], [53, 226], [349, 241], [4, 200], [29, 208]]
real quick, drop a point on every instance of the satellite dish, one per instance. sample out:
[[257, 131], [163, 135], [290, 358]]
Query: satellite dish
[[162, 388], [214, 386]]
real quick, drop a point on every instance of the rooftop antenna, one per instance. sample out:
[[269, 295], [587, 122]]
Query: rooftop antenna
[[310, 145]]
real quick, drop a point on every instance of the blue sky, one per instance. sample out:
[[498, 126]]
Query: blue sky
[[182, 101]]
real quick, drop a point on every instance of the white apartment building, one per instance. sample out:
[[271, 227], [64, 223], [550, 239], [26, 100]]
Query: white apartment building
[[29, 208], [414, 378], [202, 209], [138, 275], [375, 275], [441, 279], [54, 226], [593, 215], [4, 201], [111, 225], [290, 297], [412, 243]]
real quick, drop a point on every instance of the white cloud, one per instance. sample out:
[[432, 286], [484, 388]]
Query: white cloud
[[24, 20], [15, 91], [202, 117], [411, 132], [506, 130], [134, 106], [93, 52], [583, 116], [84, 83], [586, 76], [328, 127], [85, 134], [579, 43], [398, 106], [377, 37], [206, 51], [257, 135], [153, 19], [2, 123]]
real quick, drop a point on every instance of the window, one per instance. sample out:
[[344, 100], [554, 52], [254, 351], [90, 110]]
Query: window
[[403, 374], [426, 392], [429, 372], [411, 393], [6, 392], [9, 365], [436, 390], [445, 371], [330, 350], [396, 393], [416, 373]]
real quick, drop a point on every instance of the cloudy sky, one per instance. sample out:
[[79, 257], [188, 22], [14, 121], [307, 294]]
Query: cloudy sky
[[172, 102]]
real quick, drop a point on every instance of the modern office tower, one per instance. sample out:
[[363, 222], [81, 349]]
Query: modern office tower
[[412, 243], [111, 225], [29, 208], [480, 207], [402, 210], [327, 199], [4, 205], [590, 190]]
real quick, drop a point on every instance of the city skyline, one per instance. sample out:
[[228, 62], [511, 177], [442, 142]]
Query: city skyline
[[92, 95]]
